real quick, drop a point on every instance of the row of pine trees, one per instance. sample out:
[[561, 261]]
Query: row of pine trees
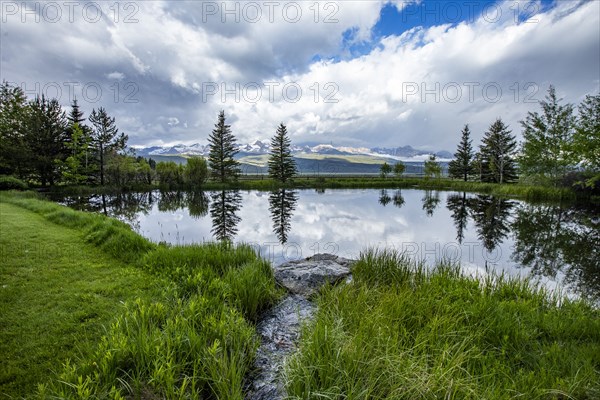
[[556, 143], [41, 143], [222, 145]]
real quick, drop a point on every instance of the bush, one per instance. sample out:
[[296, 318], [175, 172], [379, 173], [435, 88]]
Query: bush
[[195, 172], [12, 183]]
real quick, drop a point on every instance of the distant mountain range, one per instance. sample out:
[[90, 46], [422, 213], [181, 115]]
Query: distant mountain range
[[404, 153], [310, 159]]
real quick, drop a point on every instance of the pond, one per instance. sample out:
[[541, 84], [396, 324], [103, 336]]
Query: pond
[[558, 245]]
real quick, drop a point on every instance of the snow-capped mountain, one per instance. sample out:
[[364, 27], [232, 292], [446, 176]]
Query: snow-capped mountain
[[259, 147]]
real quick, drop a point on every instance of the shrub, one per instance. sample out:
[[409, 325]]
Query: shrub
[[12, 183]]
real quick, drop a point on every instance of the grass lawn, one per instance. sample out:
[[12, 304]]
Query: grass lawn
[[57, 294]]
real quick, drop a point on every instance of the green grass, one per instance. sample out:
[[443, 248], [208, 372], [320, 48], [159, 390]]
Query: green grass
[[400, 332], [56, 294], [194, 338]]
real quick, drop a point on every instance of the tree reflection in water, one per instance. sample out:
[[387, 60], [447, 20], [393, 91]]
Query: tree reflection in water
[[430, 201], [282, 204], [197, 204], [398, 199], [459, 206], [223, 212], [491, 216], [551, 239], [384, 197]]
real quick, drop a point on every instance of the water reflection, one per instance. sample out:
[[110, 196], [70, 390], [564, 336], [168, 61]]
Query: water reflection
[[396, 199], [431, 200], [550, 239], [282, 204], [223, 212], [459, 206], [384, 197], [491, 216], [558, 244], [198, 204], [170, 201]]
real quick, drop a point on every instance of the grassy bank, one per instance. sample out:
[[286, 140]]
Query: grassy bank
[[56, 294], [522, 191], [399, 332], [192, 339]]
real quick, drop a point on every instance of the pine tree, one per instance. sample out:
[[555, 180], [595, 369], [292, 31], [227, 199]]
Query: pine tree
[[497, 154], [80, 140], [105, 137], [46, 138], [76, 115], [14, 154], [462, 165], [73, 170], [222, 150], [548, 137], [282, 166]]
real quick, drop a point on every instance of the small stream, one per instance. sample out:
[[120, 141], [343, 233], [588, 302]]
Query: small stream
[[279, 332], [279, 329]]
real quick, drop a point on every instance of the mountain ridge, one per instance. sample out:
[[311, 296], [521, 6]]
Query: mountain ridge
[[401, 153]]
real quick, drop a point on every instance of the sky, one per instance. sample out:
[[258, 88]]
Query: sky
[[382, 73]]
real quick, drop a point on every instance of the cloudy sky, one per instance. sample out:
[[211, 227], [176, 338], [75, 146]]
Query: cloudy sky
[[358, 73]]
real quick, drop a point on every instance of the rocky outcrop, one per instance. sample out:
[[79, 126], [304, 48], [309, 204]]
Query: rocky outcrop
[[305, 277], [279, 329]]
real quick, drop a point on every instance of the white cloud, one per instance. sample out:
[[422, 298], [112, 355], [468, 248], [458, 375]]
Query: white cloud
[[417, 88]]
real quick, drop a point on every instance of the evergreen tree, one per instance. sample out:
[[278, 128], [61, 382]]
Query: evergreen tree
[[282, 166], [76, 115], [105, 137], [73, 168], [222, 150], [45, 136], [548, 137], [14, 154], [497, 154], [462, 165]]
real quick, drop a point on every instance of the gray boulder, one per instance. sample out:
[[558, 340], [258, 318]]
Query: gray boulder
[[305, 277]]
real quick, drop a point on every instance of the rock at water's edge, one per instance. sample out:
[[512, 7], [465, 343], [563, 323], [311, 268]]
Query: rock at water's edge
[[305, 277]]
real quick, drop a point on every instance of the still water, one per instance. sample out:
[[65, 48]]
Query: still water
[[557, 245]]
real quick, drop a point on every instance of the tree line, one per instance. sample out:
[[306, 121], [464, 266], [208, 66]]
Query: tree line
[[558, 148], [41, 143]]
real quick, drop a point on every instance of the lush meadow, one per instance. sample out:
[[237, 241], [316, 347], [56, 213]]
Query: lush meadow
[[399, 331], [122, 317], [193, 338]]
